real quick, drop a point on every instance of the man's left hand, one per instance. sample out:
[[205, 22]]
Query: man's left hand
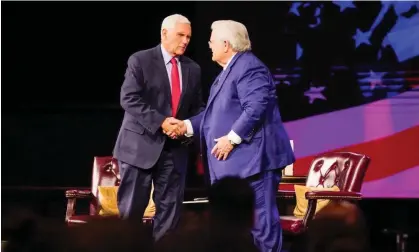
[[222, 148]]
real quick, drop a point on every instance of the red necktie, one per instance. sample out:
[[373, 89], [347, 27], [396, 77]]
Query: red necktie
[[175, 86]]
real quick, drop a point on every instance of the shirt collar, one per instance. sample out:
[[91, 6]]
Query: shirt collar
[[228, 62], [166, 56]]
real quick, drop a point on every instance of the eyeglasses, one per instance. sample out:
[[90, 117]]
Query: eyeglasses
[[210, 42]]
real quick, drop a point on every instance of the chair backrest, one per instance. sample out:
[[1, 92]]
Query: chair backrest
[[289, 169], [105, 173], [343, 169]]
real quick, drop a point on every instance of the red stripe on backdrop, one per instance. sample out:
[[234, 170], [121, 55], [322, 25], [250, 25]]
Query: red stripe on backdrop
[[389, 155]]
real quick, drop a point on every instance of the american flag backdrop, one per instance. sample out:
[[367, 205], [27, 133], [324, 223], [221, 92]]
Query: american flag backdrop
[[383, 120], [352, 84], [385, 129]]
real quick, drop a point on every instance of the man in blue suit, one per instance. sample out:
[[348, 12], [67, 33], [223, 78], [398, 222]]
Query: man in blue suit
[[241, 130], [160, 85]]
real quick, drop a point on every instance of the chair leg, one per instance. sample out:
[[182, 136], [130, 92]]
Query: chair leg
[[401, 241], [71, 206], [401, 238]]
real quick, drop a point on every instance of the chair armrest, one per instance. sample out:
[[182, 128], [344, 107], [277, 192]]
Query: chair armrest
[[78, 194], [333, 195], [313, 196], [285, 194]]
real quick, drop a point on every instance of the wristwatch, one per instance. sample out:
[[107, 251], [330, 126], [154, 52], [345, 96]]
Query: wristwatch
[[232, 143]]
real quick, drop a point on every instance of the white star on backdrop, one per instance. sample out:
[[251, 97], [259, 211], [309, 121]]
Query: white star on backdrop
[[362, 38], [344, 5], [294, 8], [315, 93], [374, 79], [299, 51]]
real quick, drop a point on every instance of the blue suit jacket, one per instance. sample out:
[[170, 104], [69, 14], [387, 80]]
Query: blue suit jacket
[[243, 99], [146, 99]]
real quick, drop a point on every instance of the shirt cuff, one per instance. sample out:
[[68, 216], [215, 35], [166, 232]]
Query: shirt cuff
[[189, 129], [232, 136]]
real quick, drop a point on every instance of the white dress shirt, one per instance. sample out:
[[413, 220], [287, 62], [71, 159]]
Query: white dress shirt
[[167, 58]]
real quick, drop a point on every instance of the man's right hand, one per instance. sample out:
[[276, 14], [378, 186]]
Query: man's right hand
[[173, 127]]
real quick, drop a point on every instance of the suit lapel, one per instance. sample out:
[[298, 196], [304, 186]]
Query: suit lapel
[[185, 82], [161, 69], [215, 87], [221, 78]]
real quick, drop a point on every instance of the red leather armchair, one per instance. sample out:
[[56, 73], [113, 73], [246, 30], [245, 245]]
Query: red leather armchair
[[343, 169], [105, 173]]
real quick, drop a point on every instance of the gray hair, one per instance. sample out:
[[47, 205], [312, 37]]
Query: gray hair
[[170, 21], [233, 32]]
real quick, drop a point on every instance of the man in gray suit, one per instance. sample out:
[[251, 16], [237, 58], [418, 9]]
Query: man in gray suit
[[160, 85]]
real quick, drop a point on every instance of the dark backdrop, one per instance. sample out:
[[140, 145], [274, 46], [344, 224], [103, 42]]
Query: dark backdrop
[[62, 67]]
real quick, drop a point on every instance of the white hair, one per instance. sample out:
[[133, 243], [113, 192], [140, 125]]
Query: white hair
[[233, 32], [170, 21]]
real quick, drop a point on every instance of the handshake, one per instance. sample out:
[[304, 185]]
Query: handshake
[[173, 127]]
